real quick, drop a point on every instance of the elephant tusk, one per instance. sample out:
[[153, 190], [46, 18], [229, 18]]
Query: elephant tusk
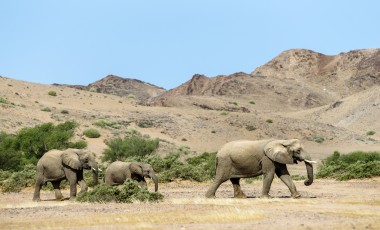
[[311, 162], [94, 169]]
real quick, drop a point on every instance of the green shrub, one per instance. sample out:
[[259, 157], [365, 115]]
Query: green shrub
[[52, 93], [252, 102], [145, 124], [91, 133], [169, 168], [250, 127], [133, 146], [65, 111], [350, 166], [370, 133], [128, 193], [81, 144], [270, 121], [224, 113], [103, 123], [93, 90], [318, 139], [18, 180], [46, 109], [3, 100], [29, 144]]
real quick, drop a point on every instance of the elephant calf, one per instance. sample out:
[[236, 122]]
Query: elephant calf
[[118, 171], [56, 165], [242, 159]]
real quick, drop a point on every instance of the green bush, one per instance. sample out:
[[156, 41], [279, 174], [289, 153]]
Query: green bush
[[81, 144], [103, 123], [270, 121], [199, 168], [350, 166], [3, 100], [46, 109], [145, 124], [29, 144], [52, 93], [252, 102], [250, 127], [91, 133], [65, 111], [370, 133], [14, 182], [133, 146], [128, 193]]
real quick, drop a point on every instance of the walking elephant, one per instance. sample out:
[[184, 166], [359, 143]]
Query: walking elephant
[[56, 165], [243, 158], [118, 171]]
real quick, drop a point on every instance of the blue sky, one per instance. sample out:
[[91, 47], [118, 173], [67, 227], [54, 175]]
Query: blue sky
[[166, 42]]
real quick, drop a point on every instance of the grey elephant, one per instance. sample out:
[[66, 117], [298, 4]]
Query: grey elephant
[[117, 172], [57, 165], [244, 158]]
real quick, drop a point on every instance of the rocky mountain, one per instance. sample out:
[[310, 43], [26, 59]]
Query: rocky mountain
[[343, 74], [126, 87]]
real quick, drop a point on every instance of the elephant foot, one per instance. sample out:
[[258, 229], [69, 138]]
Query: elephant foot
[[210, 196], [240, 195], [296, 195], [265, 196]]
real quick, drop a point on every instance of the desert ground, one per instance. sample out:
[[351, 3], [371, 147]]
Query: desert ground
[[326, 204]]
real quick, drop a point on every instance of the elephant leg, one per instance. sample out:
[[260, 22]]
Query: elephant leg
[[222, 175], [81, 182], [37, 189], [57, 190], [268, 175], [238, 193], [83, 186], [283, 173]]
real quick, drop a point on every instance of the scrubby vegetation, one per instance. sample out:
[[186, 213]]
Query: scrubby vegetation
[[350, 166], [91, 133], [15, 181], [52, 93], [370, 133], [131, 146], [104, 123], [127, 193], [3, 100]]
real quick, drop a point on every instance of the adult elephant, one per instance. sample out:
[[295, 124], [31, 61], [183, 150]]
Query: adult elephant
[[56, 165], [243, 158], [117, 172]]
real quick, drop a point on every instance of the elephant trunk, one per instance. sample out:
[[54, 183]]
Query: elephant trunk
[[155, 180], [309, 169]]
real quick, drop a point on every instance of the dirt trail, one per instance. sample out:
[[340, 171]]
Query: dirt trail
[[324, 205]]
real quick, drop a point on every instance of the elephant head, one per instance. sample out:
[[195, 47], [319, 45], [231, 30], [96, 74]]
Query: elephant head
[[289, 152], [144, 170], [79, 159]]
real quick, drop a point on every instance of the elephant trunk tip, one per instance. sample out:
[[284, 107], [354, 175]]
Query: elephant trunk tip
[[308, 182]]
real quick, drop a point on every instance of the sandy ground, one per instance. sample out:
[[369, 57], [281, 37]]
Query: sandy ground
[[326, 204]]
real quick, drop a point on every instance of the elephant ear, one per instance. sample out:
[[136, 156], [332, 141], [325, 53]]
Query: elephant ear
[[71, 159], [278, 151], [136, 168]]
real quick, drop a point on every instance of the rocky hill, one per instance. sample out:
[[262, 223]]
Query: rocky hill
[[123, 87], [126, 87]]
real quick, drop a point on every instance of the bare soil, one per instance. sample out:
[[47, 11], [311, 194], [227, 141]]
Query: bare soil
[[326, 204]]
